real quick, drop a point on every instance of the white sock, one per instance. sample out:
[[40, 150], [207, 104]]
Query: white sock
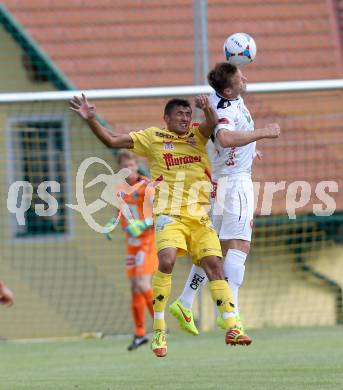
[[158, 315], [196, 278], [234, 269]]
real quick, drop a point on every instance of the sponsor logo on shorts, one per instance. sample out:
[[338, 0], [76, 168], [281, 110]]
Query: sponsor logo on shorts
[[169, 240], [206, 250]]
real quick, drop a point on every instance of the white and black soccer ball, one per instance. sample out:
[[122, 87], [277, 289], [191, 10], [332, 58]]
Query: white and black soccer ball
[[239, 49]]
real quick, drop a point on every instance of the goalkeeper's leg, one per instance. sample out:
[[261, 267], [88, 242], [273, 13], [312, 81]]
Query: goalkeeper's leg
[[139, 283]]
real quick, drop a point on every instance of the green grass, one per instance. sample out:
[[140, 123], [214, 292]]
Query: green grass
[[292, 359]]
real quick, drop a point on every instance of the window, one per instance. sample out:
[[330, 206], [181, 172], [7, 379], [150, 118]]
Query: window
[[38, 153]]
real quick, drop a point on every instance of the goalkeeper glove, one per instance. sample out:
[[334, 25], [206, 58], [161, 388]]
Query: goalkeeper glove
[[137, 227], [109, 227]]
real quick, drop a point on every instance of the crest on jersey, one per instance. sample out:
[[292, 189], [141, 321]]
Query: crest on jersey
[[191, 141], [223, 103], [168, 145]]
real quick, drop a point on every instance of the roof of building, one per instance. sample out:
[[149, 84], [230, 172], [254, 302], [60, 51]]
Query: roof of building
[[114, 44]]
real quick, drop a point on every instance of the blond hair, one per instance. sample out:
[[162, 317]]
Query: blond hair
[[125, 154]]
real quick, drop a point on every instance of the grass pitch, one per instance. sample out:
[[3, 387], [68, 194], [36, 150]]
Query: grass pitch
[[297, 359]]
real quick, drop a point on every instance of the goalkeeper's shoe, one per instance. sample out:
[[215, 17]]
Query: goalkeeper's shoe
[[235, 336], [239, 325], [184, 317], [137, 342], [159, 343]]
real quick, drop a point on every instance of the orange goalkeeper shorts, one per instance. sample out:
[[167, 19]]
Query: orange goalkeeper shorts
[[141, 257]]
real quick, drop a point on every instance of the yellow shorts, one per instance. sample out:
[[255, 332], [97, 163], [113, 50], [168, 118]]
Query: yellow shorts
[[193, 235]]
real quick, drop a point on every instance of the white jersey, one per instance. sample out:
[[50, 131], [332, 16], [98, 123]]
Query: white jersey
[[233, 115]]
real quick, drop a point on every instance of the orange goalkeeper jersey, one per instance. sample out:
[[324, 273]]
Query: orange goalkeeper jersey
[[140, 204]]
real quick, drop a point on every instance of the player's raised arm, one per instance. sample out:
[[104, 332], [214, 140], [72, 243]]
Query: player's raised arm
[[229, 138], [207, 127], [88, 112]]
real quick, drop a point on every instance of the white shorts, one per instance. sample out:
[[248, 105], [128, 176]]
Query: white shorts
[[232, 211]]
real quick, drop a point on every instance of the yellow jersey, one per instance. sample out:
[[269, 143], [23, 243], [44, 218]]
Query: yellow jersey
[[179, 169]]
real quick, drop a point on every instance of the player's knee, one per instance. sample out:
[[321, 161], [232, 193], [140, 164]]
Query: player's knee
[[166, 261], [143, 285], [240, 245], [134, 285], [245, 246], [213, 267]]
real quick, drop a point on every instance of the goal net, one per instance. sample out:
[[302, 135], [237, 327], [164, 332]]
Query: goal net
[[69, 279]]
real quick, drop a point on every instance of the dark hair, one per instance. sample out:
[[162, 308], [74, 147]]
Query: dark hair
[[220, 76], [174, 103], [125, 154]]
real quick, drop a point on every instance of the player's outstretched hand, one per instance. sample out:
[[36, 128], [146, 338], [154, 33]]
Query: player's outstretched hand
[[6, 295], [202, 102], [82, 107], [272, 130]]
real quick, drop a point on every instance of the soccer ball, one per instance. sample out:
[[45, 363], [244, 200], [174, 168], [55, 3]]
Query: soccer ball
[[239, 49]]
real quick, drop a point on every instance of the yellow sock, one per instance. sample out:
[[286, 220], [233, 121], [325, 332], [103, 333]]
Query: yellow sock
[[222, 296], [161, 286]]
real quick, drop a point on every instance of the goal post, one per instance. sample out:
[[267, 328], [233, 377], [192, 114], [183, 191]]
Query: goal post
[[156, 92]]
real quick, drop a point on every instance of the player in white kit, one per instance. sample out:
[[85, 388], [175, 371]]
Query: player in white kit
[[232, 211]]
